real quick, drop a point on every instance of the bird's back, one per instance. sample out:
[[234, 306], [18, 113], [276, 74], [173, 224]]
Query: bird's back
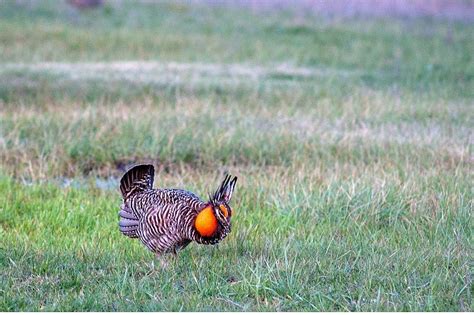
[[168, 201]]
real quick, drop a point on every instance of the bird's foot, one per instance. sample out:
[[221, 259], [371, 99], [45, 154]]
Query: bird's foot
[[163, 260]]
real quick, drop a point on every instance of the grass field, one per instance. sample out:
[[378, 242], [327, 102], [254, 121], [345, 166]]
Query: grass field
[[352, 139]]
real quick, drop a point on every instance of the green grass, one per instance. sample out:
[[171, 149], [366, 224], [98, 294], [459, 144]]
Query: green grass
[[336, 247], [352, 140]]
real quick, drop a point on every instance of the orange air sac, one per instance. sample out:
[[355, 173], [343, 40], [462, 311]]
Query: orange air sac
[[206, 222]]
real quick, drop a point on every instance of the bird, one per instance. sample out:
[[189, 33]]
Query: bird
[[166, 220]]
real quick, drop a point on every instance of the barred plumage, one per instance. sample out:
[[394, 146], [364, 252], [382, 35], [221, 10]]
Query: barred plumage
[[167, 220]]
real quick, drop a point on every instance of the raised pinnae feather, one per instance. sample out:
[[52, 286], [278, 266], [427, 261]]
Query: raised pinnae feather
[[224, 192]]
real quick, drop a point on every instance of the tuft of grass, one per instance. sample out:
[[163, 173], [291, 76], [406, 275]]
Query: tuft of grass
[[352, 140]]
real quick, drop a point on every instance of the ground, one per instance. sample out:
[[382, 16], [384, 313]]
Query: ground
[[351, 136]]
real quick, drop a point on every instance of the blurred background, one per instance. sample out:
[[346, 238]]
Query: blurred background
[[243, 72], [349, 124]]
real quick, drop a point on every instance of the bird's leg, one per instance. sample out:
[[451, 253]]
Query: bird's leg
[[164, 255], [164, 263], [174, 256]]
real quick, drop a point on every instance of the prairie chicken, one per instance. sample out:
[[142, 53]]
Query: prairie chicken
[[167, 220]]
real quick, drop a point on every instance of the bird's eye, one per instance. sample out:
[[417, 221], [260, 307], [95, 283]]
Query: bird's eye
[[224, 210]]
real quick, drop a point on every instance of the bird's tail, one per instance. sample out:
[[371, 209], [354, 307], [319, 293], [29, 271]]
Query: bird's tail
[[137, 179]]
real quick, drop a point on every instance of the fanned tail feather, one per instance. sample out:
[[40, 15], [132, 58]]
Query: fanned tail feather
[[137, 179]]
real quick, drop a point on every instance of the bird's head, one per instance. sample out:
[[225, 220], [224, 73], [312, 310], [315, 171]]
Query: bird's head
[[214, 219], [220, 201]]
